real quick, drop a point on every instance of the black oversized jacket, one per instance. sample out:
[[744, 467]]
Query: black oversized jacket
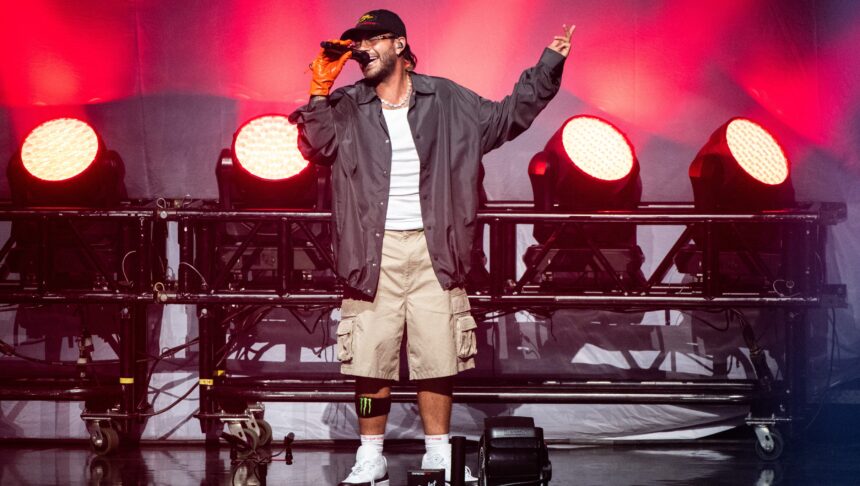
[[452, 127]]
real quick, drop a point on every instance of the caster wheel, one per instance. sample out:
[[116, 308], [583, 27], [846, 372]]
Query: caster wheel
[[108, 443], [775, 452], [265, 433]]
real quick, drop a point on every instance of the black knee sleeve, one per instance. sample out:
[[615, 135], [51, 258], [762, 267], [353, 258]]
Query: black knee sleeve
[[367, 407]]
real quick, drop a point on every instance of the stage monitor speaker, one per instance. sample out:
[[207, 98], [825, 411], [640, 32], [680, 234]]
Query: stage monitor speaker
[[513, 452]]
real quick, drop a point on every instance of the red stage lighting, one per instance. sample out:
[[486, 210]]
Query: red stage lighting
[[267, 147], [597, 148], [757, 152], [741, 168], [63, 162], [264, 169], [587, 165], [60, 149]]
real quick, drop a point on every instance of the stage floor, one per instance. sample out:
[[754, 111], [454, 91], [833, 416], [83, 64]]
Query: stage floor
[[714, 462]]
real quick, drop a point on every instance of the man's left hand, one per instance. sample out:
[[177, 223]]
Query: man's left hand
[[561, 43]]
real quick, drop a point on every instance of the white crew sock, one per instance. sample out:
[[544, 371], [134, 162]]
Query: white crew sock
[[373, 442], [437, 443]]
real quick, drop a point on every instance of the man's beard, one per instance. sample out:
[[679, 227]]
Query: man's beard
[[387, 62]]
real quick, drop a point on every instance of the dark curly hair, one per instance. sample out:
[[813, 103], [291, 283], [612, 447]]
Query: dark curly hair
[[410, 57]]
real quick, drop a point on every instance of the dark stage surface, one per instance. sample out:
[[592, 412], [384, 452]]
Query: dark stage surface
[[711, 462]]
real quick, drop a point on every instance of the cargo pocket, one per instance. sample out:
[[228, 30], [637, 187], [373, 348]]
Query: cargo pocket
[[467, 341], [464, 325], [345, 338]]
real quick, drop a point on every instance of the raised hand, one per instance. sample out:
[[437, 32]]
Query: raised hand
[[561, 43], [326, 69]]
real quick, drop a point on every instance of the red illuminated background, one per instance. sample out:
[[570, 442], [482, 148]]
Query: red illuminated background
[[167, 83]]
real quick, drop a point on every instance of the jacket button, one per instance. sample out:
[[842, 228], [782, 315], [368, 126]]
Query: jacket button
[[386, 140], [381, 203], [377, 235]]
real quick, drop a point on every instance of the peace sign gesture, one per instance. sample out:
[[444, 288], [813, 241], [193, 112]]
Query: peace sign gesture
[[561, 43]]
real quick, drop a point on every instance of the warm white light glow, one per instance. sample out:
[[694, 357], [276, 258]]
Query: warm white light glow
[[757, 152], [59, 149], [597, 148], [267, 147]]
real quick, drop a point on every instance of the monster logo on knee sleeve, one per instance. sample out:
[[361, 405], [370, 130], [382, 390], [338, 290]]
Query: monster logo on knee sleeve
[[368, 407]]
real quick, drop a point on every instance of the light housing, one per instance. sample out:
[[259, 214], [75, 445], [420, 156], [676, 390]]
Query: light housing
[[587, 165], [63, 162], [741, 168], [264, 169]]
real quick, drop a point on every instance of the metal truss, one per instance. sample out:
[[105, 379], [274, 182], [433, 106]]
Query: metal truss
[[283, 258]]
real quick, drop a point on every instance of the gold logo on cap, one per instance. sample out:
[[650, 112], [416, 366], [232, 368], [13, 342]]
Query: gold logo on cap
[[365, 18]]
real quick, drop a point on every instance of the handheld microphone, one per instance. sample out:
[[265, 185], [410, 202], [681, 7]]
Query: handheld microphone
[[337, 50]]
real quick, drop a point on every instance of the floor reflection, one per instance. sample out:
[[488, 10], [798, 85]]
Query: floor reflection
[[718, 463]]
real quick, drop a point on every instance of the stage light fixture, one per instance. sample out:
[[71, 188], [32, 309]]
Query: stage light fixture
[[59, 149], [63, 162], [741, 168], [264, 169], [587, 165], [267, 148]]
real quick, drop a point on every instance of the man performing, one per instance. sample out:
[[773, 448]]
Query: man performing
[[405, 150]]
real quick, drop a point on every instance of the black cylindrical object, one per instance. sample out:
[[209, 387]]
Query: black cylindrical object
[[458, 461]]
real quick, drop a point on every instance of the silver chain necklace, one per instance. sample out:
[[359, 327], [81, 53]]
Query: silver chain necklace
[[404, 100]]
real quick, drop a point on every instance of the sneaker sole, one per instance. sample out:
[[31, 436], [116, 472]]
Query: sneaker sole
[[381, 482]]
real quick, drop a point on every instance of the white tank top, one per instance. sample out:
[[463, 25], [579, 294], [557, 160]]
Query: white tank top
[[404, 206]]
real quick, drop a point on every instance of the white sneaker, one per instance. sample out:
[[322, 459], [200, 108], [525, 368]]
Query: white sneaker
[[436, 460], [370, 469]]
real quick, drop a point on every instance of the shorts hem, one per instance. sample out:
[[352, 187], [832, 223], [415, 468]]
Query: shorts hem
[[430, 376], [348, 370]]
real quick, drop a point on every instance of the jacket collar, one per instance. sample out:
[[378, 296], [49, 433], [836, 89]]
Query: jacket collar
[[365, 93]]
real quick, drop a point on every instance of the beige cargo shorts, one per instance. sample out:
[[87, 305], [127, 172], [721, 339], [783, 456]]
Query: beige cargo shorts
[[440, 330]]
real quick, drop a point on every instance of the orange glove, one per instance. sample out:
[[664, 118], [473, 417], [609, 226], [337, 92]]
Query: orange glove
[[325, 69]]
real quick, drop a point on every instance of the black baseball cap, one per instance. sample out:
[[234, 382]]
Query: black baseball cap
[[376, 21]]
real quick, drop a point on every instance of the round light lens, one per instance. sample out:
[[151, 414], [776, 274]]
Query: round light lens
[[597, 148], [267, 147], [59, 149], [757, 152]]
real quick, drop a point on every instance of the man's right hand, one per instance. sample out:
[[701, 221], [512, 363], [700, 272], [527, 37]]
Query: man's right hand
[[325, 69]]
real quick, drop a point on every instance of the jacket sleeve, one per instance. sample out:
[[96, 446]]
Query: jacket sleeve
[[504, 120], [317, 139]]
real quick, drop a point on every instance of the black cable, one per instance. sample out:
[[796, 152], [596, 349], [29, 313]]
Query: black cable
[[167, 353], [9, 350], [708, 323], [248, 324], [175, 403]]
